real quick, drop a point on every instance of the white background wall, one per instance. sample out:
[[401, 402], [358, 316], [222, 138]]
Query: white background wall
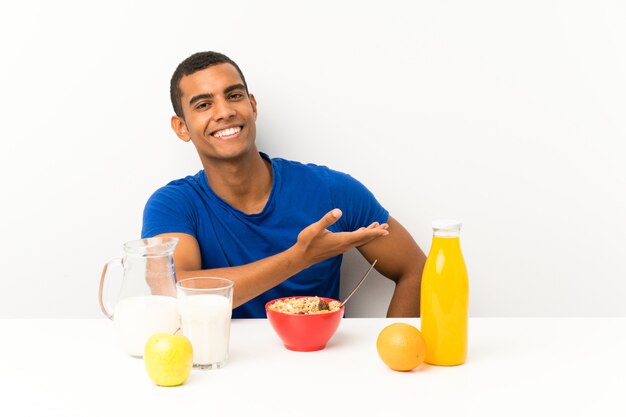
[[507, 115]]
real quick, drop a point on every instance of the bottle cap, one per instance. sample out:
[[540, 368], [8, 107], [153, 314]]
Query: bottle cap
[[447, 225]]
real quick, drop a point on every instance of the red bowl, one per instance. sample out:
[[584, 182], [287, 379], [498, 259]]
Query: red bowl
[[304, 332]]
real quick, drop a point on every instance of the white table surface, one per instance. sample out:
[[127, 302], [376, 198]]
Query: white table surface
[[515, 367]]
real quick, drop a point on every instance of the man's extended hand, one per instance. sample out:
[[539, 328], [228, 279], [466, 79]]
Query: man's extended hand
[[316, 243]]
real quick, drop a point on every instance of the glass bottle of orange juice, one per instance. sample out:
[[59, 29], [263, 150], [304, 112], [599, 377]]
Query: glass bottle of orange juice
[[445, 297]]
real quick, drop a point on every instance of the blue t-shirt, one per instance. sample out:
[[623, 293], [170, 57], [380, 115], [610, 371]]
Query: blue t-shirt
[[301, 194]]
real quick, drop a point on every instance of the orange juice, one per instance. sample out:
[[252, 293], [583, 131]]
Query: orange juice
[[444, 297]]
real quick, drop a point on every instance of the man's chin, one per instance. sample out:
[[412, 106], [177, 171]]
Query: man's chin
[[232, 155]]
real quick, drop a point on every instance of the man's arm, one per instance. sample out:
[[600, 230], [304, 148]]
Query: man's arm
[[315, 244], [401, 260]]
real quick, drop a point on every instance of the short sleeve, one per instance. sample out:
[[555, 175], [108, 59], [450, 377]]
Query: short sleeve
[[359, 206], [168, 211]]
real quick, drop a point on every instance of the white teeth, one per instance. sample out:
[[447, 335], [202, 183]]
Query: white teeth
[[227, 132]]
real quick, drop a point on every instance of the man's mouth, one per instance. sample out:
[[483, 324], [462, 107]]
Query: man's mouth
[[227, 133]]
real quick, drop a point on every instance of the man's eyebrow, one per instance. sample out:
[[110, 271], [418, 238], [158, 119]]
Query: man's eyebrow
[[234, 87], [210, 95], [200, 97]]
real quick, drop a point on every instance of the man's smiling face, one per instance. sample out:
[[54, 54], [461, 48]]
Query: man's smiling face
[[219, 115]]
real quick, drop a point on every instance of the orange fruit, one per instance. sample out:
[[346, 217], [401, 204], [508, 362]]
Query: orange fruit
[[401, 346]]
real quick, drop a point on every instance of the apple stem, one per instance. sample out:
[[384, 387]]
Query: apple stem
[[177, 330]]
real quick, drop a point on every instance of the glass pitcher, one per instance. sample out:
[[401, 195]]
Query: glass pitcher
[[147, 299]]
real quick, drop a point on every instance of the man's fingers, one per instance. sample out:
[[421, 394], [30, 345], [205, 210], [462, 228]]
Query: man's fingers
[[328, 219], [351, 239], [380, 230], [377, 225], [364, 235], [316, 243]]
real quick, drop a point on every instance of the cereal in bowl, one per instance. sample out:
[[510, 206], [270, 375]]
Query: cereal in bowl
[[305, 305]]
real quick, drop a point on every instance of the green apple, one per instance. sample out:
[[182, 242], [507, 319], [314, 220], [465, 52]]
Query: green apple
[[168, 359]]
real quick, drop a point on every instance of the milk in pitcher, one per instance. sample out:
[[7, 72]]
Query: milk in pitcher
[[137, 318]]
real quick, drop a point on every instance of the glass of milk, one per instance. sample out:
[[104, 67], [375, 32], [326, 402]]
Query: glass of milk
[[205, 307]]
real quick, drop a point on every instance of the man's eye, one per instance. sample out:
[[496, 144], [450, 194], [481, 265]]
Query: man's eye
[[202, 106], [236, 96]]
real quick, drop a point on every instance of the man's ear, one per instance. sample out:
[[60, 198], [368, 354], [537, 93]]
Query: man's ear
[[253, 103], [180, 128]]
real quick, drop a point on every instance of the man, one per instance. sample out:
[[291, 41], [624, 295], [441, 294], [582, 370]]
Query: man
[[276, 228]]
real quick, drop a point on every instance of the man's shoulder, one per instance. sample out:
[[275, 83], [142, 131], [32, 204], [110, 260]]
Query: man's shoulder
[[305, 168], [188, 181], [181, 187], [311, 175]]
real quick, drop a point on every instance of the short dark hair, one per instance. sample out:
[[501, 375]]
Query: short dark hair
[[195, 63]]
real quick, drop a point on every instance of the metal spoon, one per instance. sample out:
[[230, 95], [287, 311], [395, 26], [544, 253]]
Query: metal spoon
[[360, 282]]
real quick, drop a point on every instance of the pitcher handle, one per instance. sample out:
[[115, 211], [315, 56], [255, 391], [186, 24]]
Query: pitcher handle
[[104, 272]]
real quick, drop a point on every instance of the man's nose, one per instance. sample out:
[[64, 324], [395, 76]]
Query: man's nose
[[223, 109]]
